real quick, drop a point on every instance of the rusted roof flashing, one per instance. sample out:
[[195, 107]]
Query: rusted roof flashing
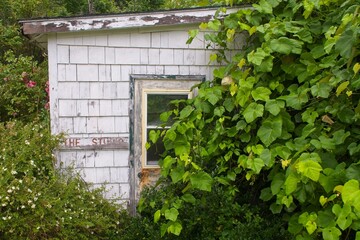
[[120, 21]]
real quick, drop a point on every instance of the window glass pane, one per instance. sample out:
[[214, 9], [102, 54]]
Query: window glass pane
[[159, 103]]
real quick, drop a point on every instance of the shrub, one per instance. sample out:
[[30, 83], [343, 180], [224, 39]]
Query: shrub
[[208, 216], [36, 202], [23, 85], [282, 117]]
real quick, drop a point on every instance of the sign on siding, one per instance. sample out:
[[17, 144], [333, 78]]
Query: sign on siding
[[96, 143]]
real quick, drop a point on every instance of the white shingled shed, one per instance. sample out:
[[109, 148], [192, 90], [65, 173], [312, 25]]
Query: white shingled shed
[[107, 75]]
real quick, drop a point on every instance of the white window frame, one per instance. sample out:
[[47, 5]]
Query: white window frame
[[144, 125]]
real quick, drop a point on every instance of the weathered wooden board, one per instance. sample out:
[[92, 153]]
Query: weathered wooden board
[[96, 143]]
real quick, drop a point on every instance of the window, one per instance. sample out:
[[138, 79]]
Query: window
[[156, 102], [150, 95]]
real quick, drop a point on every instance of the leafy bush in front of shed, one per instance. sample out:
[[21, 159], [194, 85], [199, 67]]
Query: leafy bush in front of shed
[[282, 117], [38, 202], [23, 88], [211, 215]]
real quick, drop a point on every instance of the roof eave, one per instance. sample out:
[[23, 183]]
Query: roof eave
[[119, 21]]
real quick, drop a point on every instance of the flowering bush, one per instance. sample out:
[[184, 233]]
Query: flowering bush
[[36, 202], [23, 87]]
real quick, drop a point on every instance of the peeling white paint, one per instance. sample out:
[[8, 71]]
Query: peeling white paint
[[119, 21]]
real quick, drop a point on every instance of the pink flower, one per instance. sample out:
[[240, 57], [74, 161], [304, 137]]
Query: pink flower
[[47, 106], [47, 87], [31, 84]]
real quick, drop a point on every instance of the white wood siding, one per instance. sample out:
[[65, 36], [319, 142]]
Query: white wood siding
[[89, 80]]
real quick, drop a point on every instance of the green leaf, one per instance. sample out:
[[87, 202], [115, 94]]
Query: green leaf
[[164, 117], [157, 216], [168, 162], [304, 35], [309, 115], [177, 174], [323, 200], [261, 93], [351, 193], [182, 148], [353, 172], [202, 181], [277, 183], [308, 221], [263, 7], [170, 134], [214, 25], [255, 164], [331, 233], [266, 194], [297, 97], [270, 130], [233, 89], [321, 90], [213, 96], [318, 51], [307, 130], [219, 111], [294, 226], [193, 33], [345, 43], [326, 218], [346, 115], [267, 157], [286, 45], [175, 228], [276, 208], [266, 65], [310, 169], [253, 111], [343, 214], [229, 104], [256, 57], [329, 44], [310, 227], [339, 136], [186, 112], [291, 183], [357, 235], [308, 6], [287, 200], [356, 68], [341, 87], [163, 229], [154, 136], [188, 198], [242, 96], [171, 214], [274, 106]]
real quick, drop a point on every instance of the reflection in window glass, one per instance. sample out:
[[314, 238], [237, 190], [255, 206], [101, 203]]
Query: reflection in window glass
[[158, 103]]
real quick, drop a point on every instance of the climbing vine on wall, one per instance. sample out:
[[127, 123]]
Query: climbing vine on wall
[[285, 107]]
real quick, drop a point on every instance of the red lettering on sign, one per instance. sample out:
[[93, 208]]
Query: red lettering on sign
[[72, 142]]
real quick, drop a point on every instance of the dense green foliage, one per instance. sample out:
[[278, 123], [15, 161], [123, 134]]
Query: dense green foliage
[[23, 89], [279, 123], [37, 202], [208, 215]]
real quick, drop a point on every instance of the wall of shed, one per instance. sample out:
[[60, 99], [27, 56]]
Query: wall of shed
[[89, 80]]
